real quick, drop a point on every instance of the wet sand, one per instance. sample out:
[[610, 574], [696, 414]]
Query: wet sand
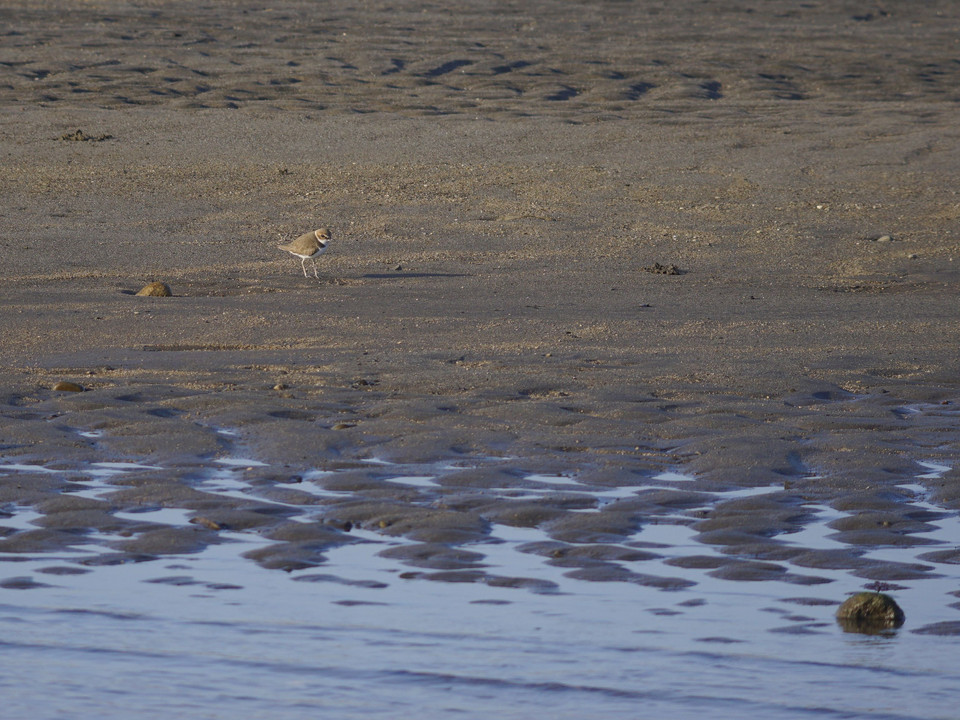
[[500, 182]]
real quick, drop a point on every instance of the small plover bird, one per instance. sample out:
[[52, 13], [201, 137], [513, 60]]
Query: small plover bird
[[309, 245]]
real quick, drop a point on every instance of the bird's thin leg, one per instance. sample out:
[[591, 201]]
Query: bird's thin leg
[[315, 274], [303, 264]]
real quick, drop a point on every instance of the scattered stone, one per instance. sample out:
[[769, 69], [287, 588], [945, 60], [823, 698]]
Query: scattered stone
[[80, 136], [155, 289], [659, 269], [344, 426], [67, 386], [869, 612], [884, 238], [206, 522], [280, 386]]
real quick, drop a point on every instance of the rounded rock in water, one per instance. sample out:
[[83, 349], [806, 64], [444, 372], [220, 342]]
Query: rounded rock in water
[[869, 612]]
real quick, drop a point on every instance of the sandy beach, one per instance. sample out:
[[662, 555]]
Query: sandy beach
[[600, 240]]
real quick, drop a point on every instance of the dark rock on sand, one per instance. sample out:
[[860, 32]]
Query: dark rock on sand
[[67, 386], [659, 269], [79, 135]]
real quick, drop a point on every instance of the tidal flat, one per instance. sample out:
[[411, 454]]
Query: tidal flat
[[633, 355]]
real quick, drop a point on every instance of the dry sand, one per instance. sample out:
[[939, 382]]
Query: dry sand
[[498, 178]]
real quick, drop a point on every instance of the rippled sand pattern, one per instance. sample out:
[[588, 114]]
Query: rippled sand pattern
[[661, 518], [578, 61]]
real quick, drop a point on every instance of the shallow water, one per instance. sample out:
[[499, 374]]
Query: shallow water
[[214, 635]]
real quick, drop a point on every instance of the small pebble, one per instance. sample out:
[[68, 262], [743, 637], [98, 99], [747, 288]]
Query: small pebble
[[884, 238], [67, 386], [206, 522], [659, 269], [80, 136]]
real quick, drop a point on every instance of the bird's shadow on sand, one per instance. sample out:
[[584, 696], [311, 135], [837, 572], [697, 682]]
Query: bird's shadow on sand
[[396, 275]]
